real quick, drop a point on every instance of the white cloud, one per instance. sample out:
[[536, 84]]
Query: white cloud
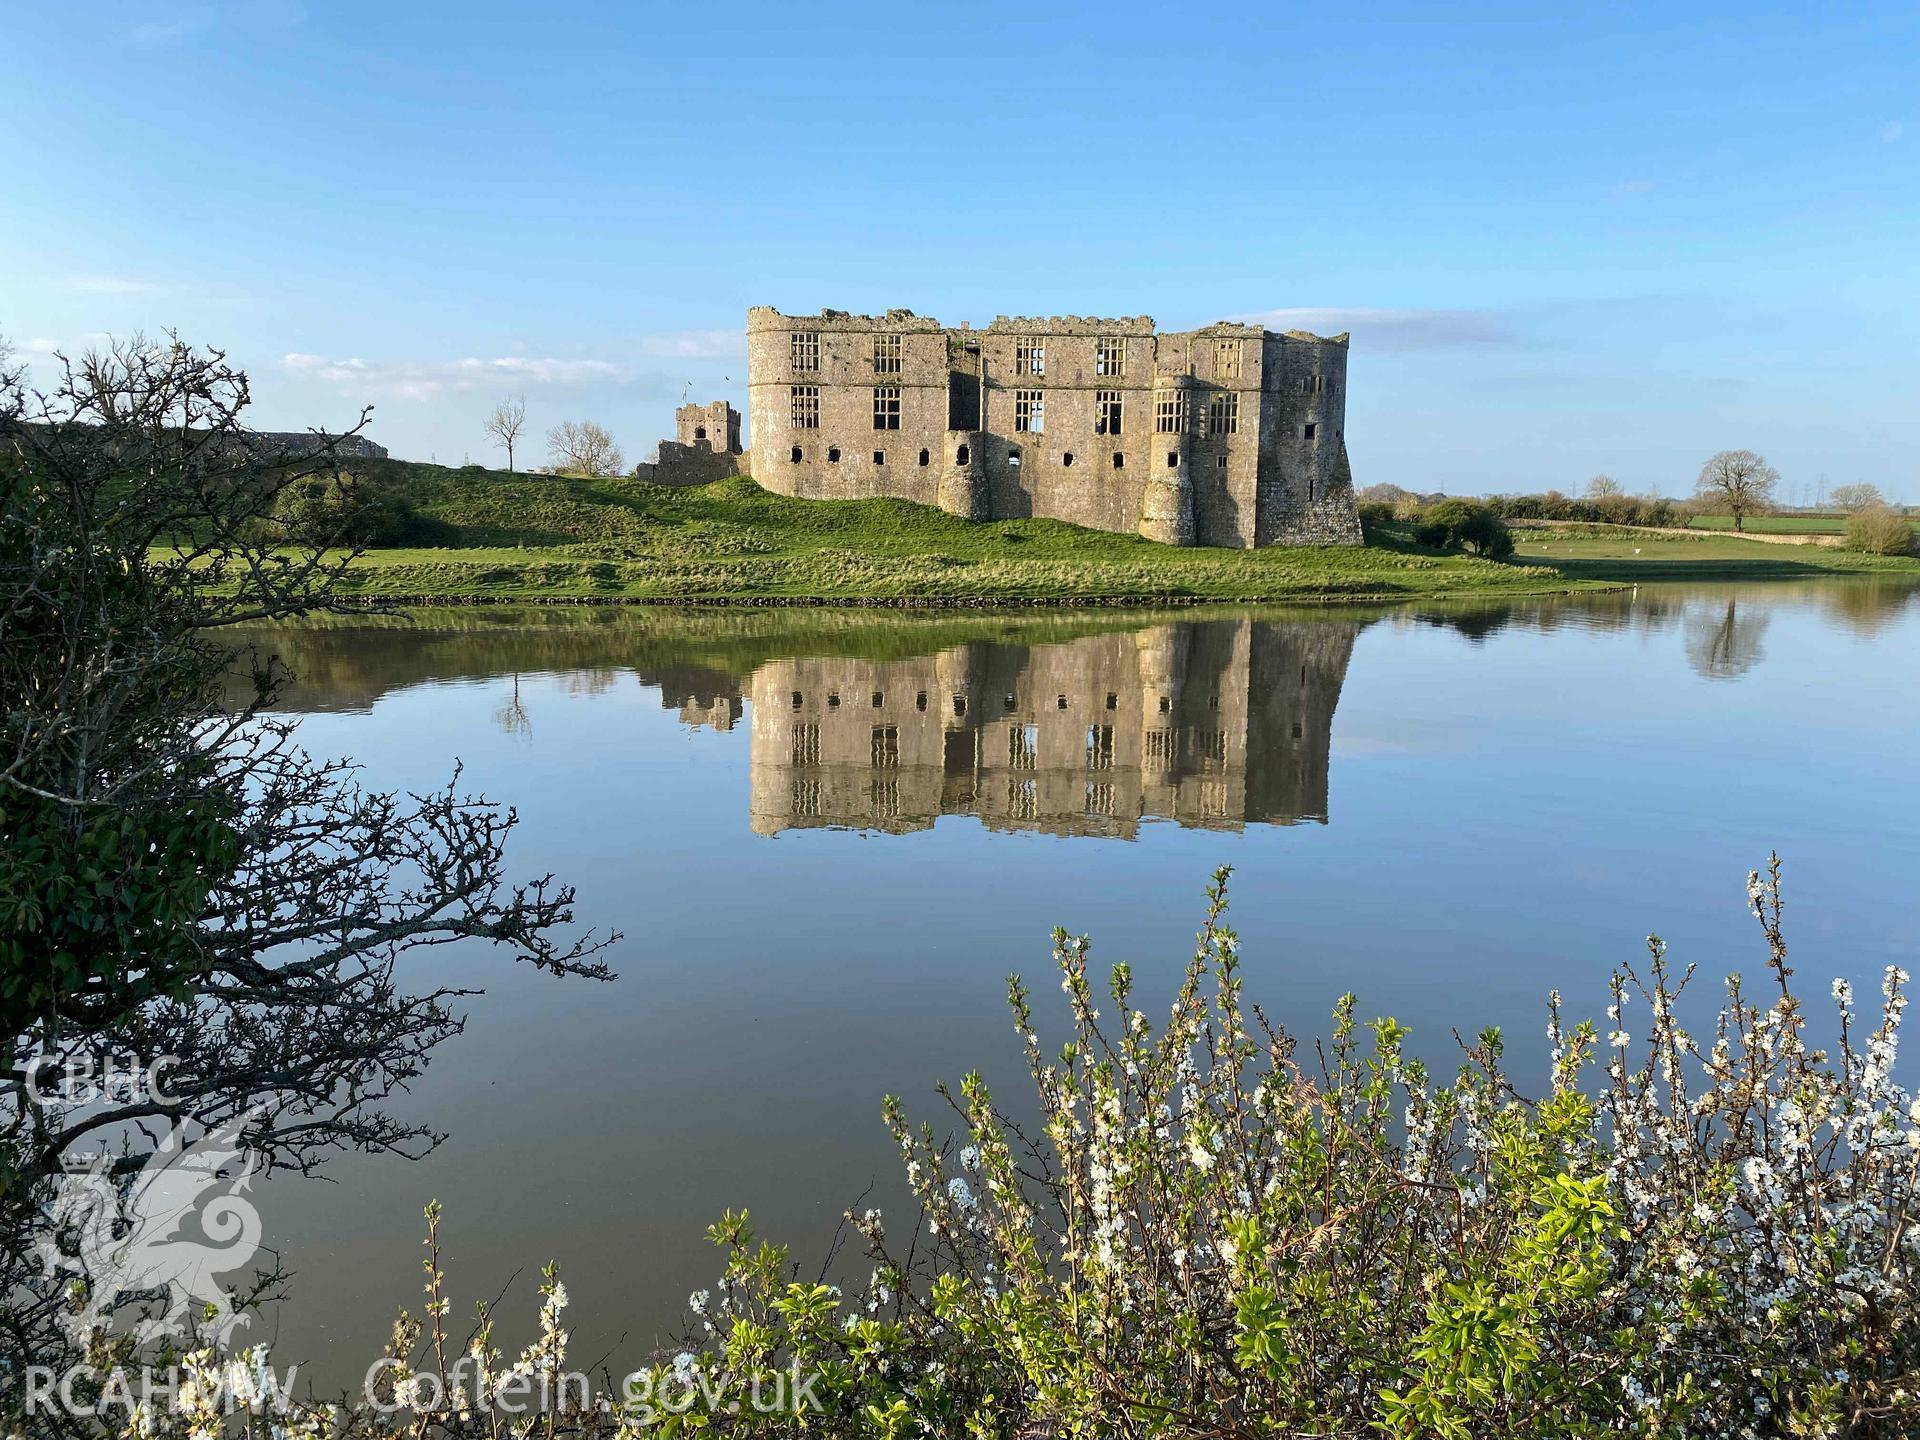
[[1384, 330], [162, 32], [113, 285], [270, 16], [426, 379], [1892, 131], [696, 345]]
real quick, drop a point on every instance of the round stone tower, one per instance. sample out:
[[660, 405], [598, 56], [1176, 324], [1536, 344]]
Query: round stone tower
[[963, 478]]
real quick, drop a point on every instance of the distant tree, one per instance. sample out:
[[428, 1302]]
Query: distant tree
[[1855, 498], [1604, 487], [1740, 482], [580, 447], [506, 422]]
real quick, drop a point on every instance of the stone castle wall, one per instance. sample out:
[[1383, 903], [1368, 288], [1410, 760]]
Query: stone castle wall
[[1229, 435]]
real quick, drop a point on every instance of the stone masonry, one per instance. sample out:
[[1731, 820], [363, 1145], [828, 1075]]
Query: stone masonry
[[1229, 435], [706, 446]]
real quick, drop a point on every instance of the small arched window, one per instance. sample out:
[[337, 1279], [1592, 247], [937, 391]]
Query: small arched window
[[699, 432], [1067, 459], [833, 454], [796, 455], [926, 457], [962, 455]]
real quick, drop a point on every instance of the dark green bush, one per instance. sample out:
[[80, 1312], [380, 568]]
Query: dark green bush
[[1608, 509], [344, 510], [1464, 525]]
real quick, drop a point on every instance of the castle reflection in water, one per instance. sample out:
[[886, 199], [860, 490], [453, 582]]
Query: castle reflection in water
[[1210, 723]]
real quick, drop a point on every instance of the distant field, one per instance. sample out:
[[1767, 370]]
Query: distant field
[[1625, 556], [1782, 524]]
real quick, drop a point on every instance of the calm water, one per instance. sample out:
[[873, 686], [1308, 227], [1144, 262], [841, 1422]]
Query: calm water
[[828, 838]]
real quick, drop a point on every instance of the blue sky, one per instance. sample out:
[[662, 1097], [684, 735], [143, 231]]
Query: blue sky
[[1564, 244]]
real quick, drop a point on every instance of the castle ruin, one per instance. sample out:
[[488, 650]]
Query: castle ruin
[[1230, 435], [706, 446]]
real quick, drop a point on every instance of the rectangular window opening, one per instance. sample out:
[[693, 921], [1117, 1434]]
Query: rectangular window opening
[[886, 354], [1170, 413], [1030, 411], [1223, 413], [1106, 412], [804, 402], [1110, 357], [886, 407], [1030, 356], [806, 349]]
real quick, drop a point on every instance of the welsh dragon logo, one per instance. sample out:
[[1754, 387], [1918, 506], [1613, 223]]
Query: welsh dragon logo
[[137, 1241]]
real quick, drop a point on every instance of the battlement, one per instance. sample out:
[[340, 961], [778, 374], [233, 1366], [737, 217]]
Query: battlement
[[766, 318]]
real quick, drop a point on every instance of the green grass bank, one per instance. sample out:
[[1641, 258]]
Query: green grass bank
[[485, 535]]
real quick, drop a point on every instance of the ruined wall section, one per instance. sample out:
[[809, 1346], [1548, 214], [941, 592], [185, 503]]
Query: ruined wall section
[[706, 447]]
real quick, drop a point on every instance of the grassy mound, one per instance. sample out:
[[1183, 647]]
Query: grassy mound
[[492, 535]]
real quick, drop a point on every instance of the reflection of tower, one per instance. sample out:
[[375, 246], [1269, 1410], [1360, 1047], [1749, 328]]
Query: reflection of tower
[[1296, 672], [1210, 723], [1160, 654]]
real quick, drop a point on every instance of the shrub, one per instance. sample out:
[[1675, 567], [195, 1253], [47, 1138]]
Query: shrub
[[1880, 530], [1375, 512], [344, 510], [1214, 1233], [1464, 524], [1609, 509]]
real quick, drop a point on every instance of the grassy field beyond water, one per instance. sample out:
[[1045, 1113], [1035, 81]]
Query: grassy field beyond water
[[497, 535]]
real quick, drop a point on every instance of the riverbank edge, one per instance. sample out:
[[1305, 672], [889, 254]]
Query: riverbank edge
[[1321, 600]]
